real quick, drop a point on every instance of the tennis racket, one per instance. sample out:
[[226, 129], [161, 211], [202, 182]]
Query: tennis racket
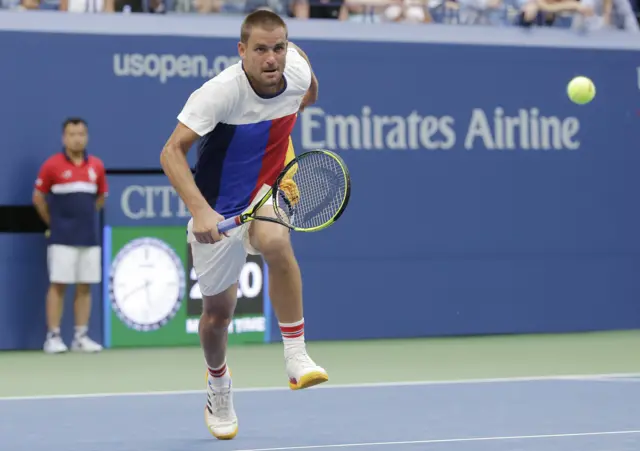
[[309, 195]]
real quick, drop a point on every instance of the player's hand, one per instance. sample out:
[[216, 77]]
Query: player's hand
[[205, 226]]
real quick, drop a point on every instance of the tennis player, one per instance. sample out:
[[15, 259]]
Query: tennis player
[[243, 120]]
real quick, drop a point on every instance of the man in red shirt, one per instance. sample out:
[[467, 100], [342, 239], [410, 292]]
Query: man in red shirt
[[70, 189]]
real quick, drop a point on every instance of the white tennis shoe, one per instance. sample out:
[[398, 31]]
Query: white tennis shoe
[[219, 413], [303, 371]]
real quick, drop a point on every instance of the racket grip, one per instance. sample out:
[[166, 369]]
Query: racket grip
[[228, 224]]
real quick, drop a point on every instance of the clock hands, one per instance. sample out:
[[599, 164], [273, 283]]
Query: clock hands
[[134, 291]]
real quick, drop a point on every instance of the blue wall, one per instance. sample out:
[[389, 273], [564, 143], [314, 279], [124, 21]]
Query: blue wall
[[505, 232]]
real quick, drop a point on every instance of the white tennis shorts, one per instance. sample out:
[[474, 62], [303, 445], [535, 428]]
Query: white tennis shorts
[[72, 264], [218, 265]]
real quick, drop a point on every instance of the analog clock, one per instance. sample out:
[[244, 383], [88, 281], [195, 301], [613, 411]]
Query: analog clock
[[147, 284]]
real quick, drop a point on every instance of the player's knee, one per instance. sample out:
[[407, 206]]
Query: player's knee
[[217, 310], [276, 248], [213, 321]]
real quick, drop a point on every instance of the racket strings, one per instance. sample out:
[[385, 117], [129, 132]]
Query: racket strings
[[312, 191]]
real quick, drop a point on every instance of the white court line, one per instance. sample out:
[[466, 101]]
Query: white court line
[[580, 377], [633, 379], [449, 440]]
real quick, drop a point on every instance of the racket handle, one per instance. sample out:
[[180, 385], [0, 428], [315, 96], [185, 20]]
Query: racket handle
[[228, 224]]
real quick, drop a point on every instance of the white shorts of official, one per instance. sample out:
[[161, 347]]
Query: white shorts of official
[[72, 264], [218, 265]]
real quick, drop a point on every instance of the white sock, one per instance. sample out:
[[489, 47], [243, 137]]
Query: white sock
[[220, 376], [292, 336]]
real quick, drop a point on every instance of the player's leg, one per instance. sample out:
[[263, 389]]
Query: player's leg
[[285, 292], [89, 272], [61, 265], [217, 312], [218, 268]]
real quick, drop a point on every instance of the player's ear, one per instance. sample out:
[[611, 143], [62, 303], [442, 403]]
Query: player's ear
[[241, 49]]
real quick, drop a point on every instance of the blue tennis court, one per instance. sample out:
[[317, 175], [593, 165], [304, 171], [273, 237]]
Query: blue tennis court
[[501, 415]]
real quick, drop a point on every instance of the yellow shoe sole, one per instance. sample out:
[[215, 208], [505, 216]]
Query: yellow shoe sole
[[219, 437], [309, 380]]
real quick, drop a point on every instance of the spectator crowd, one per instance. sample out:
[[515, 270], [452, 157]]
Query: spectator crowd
[[623, 15]]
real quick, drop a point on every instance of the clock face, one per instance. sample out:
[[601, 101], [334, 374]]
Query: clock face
[[147, 284]]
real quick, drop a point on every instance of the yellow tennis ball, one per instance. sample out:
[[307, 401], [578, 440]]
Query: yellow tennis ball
[[581, 90]]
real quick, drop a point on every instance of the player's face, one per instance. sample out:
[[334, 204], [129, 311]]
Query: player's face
[[264, 57], [75, 137]]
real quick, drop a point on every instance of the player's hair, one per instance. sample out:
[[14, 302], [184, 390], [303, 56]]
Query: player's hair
[[73, 120], [261, 18]]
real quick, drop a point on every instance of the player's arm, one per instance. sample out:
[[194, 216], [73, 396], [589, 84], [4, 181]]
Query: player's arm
[[174, 162], [204, 109], [173, 159], [312, 94]]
